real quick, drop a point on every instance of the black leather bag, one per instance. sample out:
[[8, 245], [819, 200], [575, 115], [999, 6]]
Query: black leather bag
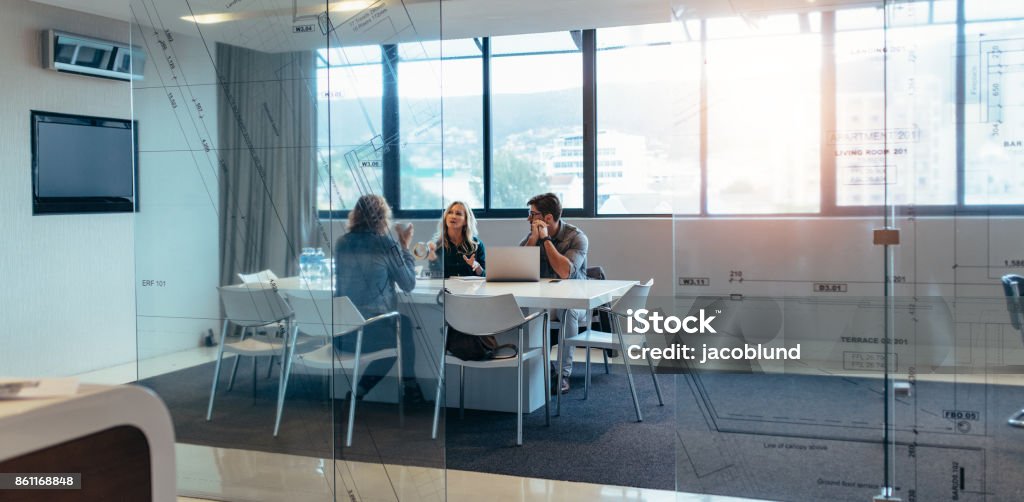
[[477, 348], [474, 347]]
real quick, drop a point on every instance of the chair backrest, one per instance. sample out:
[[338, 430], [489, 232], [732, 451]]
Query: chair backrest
[[322, 315], [635, 298], [596, 273], [1013, 286], [261, 276], [482, 315], [254, 304]]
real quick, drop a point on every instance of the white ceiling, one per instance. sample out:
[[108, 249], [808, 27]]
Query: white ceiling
[[267, 24]]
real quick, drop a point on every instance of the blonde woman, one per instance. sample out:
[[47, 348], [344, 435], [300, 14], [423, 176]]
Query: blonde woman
[[461, 251]]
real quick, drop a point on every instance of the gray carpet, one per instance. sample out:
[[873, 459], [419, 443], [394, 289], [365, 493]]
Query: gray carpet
[[775, 437]]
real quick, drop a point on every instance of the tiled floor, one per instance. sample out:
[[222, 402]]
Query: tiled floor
[[224, 474]]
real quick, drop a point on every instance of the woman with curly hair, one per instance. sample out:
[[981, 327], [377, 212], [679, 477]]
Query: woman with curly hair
[[368, 265]]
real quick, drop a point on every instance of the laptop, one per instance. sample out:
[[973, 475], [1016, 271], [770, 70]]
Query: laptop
[[513, 264]]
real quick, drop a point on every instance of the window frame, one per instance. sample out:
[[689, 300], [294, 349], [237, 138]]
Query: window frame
[[587, 40]]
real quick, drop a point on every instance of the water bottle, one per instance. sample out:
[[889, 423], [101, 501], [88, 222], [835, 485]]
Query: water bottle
[[320, 265], [305, 262]]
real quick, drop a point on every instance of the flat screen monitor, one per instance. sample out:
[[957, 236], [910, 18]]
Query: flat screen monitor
[[83, 164]]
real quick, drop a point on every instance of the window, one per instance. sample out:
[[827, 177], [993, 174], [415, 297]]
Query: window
[[349, 145], [895, 137], [839, 112], [993, 112], [764, 116], [648, 112], [428, 71], [993, 10], [536, 114]]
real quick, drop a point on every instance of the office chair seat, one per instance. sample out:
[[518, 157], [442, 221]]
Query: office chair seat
[[326, 358]]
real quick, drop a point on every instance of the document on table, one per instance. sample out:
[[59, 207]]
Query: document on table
[[11, 388]]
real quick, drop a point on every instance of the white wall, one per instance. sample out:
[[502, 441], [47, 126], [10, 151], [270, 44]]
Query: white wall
[[949, 268], [626, 248], [67, 300], [177, 230]]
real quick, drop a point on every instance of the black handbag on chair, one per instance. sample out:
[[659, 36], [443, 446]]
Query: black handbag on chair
[[473, 347]]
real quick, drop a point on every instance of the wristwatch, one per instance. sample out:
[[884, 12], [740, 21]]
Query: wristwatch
[[542, 239]]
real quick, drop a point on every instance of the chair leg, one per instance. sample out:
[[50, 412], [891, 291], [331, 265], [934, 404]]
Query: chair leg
[[355, 386], [654, 376], [437, 400], [629, 374], [213, 390], [401, 377], [254, 358], [440, 383], [462, 392], [234, 369], [547, 373], [586, 376], [558, 383], [605, 354], [1017, 419], [286, 369], [216, 371], [519, 393]]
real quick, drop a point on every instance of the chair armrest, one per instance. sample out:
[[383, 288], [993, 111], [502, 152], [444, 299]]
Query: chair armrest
[[378, 318], [381, 317], [604, 308], [526, 320], [531, 317]]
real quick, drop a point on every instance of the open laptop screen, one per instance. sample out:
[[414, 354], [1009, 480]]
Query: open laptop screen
[[513, 263]]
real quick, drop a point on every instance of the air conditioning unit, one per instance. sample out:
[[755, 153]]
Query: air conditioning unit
[[90, 56]]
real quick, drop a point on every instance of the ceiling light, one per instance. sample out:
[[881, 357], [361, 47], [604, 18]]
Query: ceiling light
[[349, 5], [209, 18], [344, 6]]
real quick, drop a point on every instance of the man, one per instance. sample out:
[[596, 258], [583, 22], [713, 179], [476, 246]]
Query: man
[[563, 256]]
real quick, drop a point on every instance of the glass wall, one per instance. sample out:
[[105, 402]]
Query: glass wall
[[286, 376], [865, 356], [828, 200]]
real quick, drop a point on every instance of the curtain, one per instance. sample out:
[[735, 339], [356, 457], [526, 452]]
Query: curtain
[[267, 142]]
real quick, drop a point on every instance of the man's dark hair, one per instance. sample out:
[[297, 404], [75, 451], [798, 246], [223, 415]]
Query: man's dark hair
[[547, 203]]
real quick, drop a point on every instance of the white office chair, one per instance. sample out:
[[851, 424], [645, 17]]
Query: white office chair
[[326, 318], [265, 276], [249, 307], [635, 298], [491, 315], [261, 276], [1013, 286]]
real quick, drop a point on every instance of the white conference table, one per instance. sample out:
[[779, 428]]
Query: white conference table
[[487, 389], [544, 294]]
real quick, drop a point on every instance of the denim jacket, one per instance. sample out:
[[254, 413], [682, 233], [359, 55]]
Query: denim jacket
[[367, 267]]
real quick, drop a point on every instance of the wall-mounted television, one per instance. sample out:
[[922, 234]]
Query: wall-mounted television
[[83, 164]]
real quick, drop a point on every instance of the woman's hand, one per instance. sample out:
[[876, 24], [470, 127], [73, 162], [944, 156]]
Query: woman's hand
[[432, 251], [404, 232], [471, 261]]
